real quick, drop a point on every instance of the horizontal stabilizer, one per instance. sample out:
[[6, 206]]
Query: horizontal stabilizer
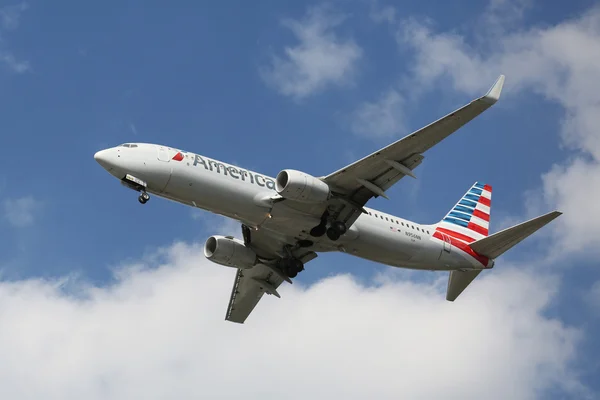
[[495, 245], [458, 281]]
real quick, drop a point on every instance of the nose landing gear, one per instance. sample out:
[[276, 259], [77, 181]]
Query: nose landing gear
[[143, 198], [138, 185]]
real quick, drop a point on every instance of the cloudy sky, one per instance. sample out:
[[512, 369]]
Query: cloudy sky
[[101, 297]]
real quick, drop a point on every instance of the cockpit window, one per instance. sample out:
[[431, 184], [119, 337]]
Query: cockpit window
[[128, 145]]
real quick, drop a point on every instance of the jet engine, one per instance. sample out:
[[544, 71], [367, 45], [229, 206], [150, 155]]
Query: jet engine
[[296, 185], [229, 251]]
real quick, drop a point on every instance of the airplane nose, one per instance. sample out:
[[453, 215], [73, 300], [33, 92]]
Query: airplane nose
[[102, 158]]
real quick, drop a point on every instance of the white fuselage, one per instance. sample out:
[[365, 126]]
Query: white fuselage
[[244, 195]]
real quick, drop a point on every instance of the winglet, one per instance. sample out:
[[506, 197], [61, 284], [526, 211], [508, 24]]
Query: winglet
[[493, 94]]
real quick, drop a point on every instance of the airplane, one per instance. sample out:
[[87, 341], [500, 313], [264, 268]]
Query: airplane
[[287, 220]]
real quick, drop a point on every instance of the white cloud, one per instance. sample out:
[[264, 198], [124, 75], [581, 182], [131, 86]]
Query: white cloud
[[593, 297], [380, 13], [133, 129], [14, 64], [320, 59], [159, 332], [9, 20], [21, 212], [558, 62], [10, 15], [383, 118], [501, 15]]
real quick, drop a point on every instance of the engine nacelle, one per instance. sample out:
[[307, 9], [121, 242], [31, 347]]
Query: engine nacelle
[[229, 251], [296, 185]]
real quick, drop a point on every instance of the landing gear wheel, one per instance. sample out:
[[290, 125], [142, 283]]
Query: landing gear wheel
[[333, 234], [296, 265], [340, 227], [318, 230], [292, 266], [144, 197], [337, 229]]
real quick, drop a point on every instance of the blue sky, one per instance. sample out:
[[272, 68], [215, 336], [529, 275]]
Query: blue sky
[[309, 86]]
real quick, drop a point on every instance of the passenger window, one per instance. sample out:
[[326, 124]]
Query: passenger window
[[418, 229], [402, 223], [396, 221], [412, 226], [381, 216], [386, 218]]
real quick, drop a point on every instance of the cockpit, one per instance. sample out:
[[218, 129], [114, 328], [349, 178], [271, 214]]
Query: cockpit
[[127, 145]]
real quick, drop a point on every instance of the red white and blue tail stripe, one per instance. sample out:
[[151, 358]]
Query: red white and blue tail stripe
[[469, 219]]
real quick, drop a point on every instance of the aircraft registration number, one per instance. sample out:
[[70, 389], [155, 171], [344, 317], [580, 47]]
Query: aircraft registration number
[[413, 235]]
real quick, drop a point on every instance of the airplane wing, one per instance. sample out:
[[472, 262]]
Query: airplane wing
[[251, 284], [353, 186], [374, 174]]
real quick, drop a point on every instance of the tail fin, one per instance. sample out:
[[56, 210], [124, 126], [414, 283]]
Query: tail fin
[[469, 219], [500, 242]]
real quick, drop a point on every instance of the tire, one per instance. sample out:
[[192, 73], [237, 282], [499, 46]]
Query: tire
[[296, 265], [340, 227], [333, 234], [318, 230]]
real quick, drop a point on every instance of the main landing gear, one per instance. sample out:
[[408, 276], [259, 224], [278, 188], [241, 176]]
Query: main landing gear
[[333, 230], [337, 229], [288, 263], [144, 197], [291, 266]]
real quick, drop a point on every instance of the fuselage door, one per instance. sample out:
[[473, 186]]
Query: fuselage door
[[447, 243], [163, 154]]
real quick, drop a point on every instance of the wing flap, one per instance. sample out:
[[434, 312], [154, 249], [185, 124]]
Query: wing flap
[[251, 284], [248, 288]]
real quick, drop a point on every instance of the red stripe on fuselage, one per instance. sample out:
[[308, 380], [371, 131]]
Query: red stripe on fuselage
[[464, 247], [482, 215], [477, 228], [456, 235]]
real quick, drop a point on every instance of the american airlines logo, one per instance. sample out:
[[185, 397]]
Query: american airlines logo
[[233, 172]]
